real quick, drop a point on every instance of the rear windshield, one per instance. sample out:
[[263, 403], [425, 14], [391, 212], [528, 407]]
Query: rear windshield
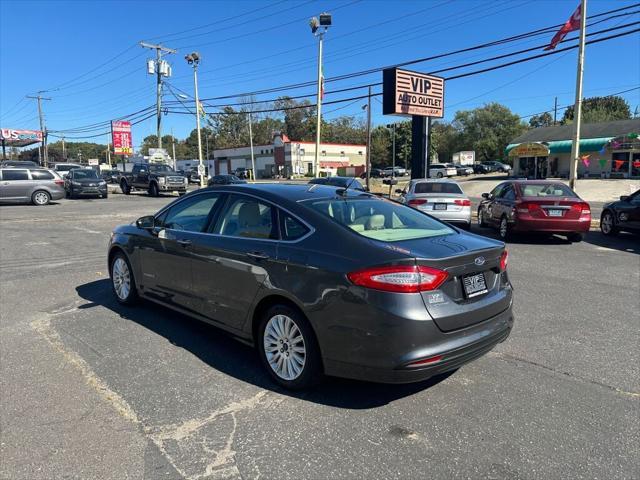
[[161, 169], [65, 168], [434, 187], [380, 219], [546, 190]]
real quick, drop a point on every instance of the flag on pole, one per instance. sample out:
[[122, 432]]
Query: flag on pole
[[322, 83], [572, 24], [201, 111]]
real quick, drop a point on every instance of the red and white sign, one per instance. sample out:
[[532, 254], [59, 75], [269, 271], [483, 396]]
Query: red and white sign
[[412, 93], [121, 137], [19, 138]]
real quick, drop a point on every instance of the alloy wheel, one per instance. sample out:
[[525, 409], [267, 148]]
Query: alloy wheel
[[503, 228], [606, 224], [121, 278], [284, 347], [41, 198]]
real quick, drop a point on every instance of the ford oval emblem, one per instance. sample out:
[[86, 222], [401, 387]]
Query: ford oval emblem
[[479, 261]]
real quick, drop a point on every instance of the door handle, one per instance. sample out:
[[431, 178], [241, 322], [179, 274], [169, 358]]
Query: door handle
[[185, 243], [257, 255]]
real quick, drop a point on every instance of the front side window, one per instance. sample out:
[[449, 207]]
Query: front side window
[[496, 192], [14, 174], [247, 217], [191, 215], [380, 219], [509, 194]]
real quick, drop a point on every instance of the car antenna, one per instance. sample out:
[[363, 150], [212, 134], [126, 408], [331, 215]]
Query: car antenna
[[343, 191]]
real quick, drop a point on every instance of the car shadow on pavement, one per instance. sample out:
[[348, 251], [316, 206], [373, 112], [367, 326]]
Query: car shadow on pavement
[[218, 349], [625, 242], [523, 238]]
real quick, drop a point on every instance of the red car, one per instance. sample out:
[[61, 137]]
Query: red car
[[535, 206]]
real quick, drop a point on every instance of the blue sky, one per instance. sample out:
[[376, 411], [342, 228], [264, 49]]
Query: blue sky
[[85, 54]]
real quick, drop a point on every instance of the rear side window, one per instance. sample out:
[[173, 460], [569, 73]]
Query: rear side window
[[434, 187], [41, 175], [192, 214], [381, 219], [14, 174], [290, 228], [247, 217]]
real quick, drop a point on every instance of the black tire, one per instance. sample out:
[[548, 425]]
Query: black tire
[[106, 195], [40, 198], [181, 193], [153, 189], [439, 174], [608, 223], [481, 222], [124, 186], [312, 370], [504, 231], [67, 194], [132, 295], [575, 237]]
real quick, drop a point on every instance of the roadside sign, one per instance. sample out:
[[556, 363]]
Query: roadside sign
[[412, 93], [201, 170], [533, 149], [93, 161], [121, 137]]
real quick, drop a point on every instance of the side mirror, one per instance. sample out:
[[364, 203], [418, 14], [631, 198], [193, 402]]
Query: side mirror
[[147, 222], [624, 198], [399, 191], [486, 195]]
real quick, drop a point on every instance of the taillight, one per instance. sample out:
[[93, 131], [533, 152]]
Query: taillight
[[463, 203], [529, 208], [425, 361], [400, 278], [583, 209], [59, 182], [504, 259], [414, 202]]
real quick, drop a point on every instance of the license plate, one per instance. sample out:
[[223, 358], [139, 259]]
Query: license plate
[[554, 213], [474, 285], [439, 206]]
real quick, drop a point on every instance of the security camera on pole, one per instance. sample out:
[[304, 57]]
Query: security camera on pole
[[194, 59], [319, 27]]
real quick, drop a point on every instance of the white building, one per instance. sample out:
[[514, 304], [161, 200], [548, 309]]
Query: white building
[[285, 158]]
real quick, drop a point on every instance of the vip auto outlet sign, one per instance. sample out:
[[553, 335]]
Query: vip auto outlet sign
[[121, 137], [412, 93]]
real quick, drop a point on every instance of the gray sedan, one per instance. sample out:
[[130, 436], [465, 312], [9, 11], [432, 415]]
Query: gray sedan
[[444, 199], [30, 185], [321, 280]]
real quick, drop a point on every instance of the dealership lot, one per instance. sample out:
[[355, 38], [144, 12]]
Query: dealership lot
[[92, 389]]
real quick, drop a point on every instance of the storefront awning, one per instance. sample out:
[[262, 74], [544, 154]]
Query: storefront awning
[[564, 146]]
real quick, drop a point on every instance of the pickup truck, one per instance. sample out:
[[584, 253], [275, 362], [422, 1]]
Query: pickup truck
[[154, 178]]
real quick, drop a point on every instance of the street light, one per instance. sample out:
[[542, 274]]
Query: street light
[[319, 27], [194, 60]]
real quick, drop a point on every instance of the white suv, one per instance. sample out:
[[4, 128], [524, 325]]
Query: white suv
[[439, 170]]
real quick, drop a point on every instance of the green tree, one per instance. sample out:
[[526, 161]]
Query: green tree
[[381, 146], [445, 140], [543, 120], [345, 129], [487, 130], [299, 118], [600, 109]]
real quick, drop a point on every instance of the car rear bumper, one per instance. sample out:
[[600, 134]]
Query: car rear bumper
[[462, 216], [384, 353], [552, 225]]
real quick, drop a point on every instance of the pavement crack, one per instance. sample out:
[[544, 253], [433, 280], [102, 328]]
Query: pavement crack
[[507, 357]]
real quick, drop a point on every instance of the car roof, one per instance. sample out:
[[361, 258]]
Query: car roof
[[432, 180], [293, 192]]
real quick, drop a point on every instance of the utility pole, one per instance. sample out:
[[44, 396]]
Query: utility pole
[[555, 110], [43, 152], [194, 60], [253, 160], [173, 148], [369, 138], [161, 69], [64, 152], [319, 26], [577, 110]]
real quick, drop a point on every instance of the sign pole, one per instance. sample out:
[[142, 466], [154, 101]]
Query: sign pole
[[427, 159], [418, 146]]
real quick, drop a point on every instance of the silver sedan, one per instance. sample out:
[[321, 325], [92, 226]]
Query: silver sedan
[[443, 199]]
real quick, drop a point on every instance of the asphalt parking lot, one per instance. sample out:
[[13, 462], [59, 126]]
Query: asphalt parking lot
[[92, 389]]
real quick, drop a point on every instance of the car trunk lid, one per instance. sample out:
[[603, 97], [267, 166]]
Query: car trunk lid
[[474, 291], [549, 208]]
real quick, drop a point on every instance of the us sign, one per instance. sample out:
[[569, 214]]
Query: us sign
[[121, 137], [412, 93]]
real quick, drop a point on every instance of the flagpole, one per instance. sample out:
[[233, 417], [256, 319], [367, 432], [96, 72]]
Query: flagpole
[[577, 109]]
